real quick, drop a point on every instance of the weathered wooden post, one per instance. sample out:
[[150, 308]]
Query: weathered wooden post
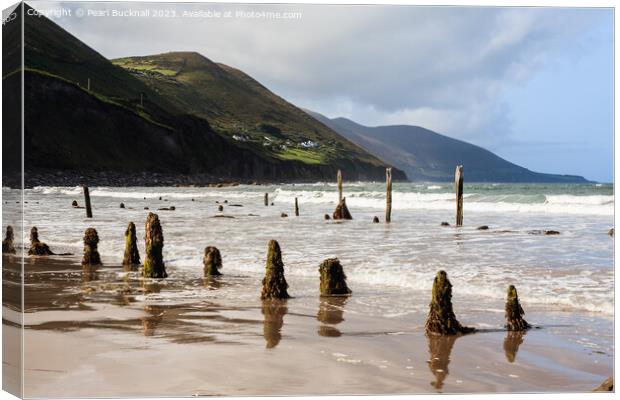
[[333, 279], [388, 197], [296, 208], [458, 186], [154, 242], [7, 244], [131, 256], [339, 179], [91, 254], [89, 211], [38, 248], [274, 284], [212, 261], [514, 312], [441, 318], [266, 199]]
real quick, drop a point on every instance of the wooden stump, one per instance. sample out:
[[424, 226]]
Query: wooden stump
[[441, 318], [212, 261], [274, 284], [388, 197], [333, 279], [7, 244], [342, 211], [296, 207], [89, 211], [266, 199], [458, 187], [514, 312], [38, 248], [131, 256], [154, 242], [91, 253]]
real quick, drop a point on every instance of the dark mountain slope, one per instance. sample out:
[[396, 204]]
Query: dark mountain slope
[[428, 156], [72, 131]]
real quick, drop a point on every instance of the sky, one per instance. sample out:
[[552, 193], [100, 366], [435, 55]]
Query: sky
[[533, 85]]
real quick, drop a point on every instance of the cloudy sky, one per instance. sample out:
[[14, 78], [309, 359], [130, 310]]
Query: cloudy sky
[[534, 85]]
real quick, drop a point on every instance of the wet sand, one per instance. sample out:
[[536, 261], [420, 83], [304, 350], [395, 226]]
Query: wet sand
[[108, 332]]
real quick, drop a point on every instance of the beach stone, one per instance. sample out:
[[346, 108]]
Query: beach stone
[[514, 312], [333, 279], [342, 211], [225, 201], [441, 318], [7, 244], [483, 228], [122, 205], [445, 223], [154, 242], [212, 261], [91, 254], [375, 220], [274, 283], [146, 208], [272, 203], [220, 208], [131, 256], [550, 232], [37, 248], [327, 217], [74, 204], [606, 386], [159, 197], [284, 215], [611, 232]]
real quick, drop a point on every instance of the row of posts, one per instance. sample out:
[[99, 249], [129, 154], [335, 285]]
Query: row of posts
[[458, 188]]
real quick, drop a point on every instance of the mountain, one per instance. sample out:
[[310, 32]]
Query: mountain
[[239, 107], [85, 115], [428, 156]]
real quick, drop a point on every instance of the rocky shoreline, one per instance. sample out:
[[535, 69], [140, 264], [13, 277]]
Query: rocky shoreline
[[118, 179]]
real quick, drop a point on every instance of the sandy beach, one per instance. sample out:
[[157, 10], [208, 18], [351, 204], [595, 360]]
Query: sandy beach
[[92, 332]]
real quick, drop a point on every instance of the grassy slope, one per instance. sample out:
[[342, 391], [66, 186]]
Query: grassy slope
[[236, 104]]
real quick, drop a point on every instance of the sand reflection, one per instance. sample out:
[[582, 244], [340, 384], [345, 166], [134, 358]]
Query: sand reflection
[[274, 312], [439, 348], [331, 312], [511, 344]]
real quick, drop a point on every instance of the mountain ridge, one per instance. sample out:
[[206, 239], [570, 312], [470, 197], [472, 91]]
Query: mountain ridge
[[427, 155]]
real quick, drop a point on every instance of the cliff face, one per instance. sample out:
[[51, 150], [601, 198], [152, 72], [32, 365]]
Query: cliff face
[[85, 116]]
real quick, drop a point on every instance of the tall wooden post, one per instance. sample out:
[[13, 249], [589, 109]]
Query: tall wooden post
[[296, 208], [339, 178], [458, 187], [388, 196], [266, 199], [89, 211]]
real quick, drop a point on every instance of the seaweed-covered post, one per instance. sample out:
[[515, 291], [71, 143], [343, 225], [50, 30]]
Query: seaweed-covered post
[[212, 261], [7, 244], [274, 284], [296, 207], [37, 248], [333, 279], [388, 196], [266, 199], [89, 211], [514, 312], [91, 254], [458, 187], [342, 211], [441, 318], [154, 240], [132, 256], [339, 179]]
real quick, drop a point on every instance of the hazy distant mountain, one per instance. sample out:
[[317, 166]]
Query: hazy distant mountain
[[425, 155]]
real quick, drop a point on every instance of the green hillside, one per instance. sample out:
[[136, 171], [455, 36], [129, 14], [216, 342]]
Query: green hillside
[[241, 108], [84, 113]]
